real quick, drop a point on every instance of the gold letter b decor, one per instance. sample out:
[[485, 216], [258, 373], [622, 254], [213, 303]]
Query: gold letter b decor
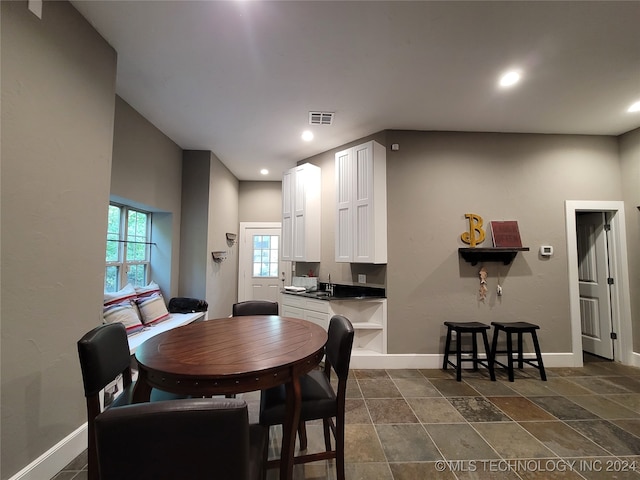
[[475, 234]]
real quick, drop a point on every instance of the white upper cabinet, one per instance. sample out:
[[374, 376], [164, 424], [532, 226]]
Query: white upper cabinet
[[301, 214], [361, 204]]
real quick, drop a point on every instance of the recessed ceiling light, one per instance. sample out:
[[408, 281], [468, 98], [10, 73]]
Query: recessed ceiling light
[[634, 108], [264, 171], [307, 135], [510, 78]]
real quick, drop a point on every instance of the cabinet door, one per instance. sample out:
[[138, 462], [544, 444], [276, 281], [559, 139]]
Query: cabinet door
[[363, 206], [344, 205], [299, 214], [318, 318], [292, 312], [287, 216]]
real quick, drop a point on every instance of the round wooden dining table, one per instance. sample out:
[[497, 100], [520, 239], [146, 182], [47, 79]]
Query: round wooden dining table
[[234, 355]]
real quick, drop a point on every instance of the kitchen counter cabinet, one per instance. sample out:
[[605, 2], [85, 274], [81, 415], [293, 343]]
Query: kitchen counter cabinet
[[367, 315]]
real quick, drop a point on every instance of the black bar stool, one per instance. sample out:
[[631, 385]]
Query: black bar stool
[[516, 327], [472, 328]]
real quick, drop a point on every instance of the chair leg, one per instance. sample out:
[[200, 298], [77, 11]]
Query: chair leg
[[326, 424], [494, 346], [520, 354], [265, 454], [447, 345], [475, 351], [536, 345], [459, 356], [302, 435], [339, 434], [510, 356], [485, 340]]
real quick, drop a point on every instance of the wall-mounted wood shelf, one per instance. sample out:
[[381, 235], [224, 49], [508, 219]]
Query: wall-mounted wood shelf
[[496, 254]]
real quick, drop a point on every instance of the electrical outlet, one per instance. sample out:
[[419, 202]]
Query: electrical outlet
[[362, 278]]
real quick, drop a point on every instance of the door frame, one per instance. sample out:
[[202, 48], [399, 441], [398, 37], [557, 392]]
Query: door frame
[[244, 226], [620, 295]]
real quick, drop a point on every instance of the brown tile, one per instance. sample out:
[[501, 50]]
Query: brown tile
[[419, 471], [550, 471], [563, 408], [435, 410], [607, 468], [368, 471], [530, 387], [630, 425], [632, 384], [379, 388], [353, 389], [438, 373], [361, 444], [404, 373], [372, 373], [487, 470], [520, 408], [510, 440], [564, 386], [609, 436], [478, 409], [416, 387], [356, 411], [629, 400], [568, 371], [390, 411], [603, 407], [562, 439], [407, 443], [488, 388], [459, 442], [599, 385], [452, 388]]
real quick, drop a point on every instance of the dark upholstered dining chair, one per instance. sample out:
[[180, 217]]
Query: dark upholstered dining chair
[[194, 439], [104, 355], [319, 400], [255, 307]]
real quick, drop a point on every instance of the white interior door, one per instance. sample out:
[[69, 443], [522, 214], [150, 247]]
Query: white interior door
[[260, 268], [593, 278]]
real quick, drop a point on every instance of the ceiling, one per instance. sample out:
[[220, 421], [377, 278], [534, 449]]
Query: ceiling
[[239, 78]]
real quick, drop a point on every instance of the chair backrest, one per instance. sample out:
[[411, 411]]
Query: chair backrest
[[200, 438], [339, 345], [255, 307], [104, 354]]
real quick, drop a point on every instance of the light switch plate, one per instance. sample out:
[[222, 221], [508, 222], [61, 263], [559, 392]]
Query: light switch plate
[[362, 278]]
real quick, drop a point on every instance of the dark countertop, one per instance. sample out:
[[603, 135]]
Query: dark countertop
[[343, 292]]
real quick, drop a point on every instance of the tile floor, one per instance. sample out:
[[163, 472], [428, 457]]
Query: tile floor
[[583, 423]]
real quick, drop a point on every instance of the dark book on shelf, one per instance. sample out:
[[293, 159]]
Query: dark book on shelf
[[506, 234]]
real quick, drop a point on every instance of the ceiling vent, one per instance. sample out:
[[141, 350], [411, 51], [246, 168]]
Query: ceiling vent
[[321, 118]]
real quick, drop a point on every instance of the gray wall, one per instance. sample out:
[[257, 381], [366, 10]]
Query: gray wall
[[437, 177], [630, 165], [210, 210], [222, 278], [58, 94], [260, 202], [146, 173]]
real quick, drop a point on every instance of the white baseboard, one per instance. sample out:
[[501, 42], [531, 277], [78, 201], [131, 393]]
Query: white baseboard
[[429, 361], [56, 458]]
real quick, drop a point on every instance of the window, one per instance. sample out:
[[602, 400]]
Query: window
[[265, 255], [128, 253]]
